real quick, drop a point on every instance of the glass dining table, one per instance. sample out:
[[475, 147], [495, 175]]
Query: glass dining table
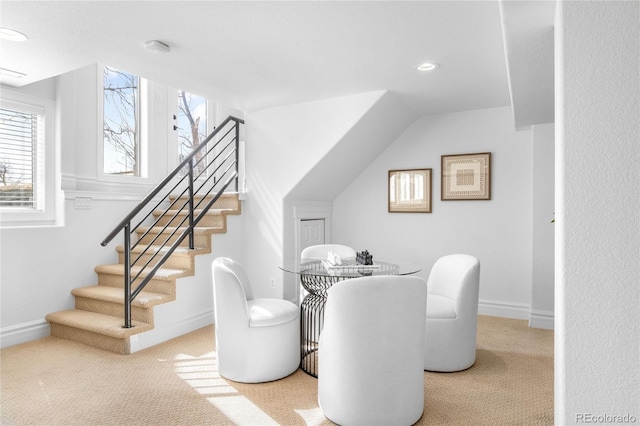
[[317, 276]]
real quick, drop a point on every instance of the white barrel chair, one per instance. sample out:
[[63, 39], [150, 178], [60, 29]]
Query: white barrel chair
[[371, 351], [452, 313], [257, 339], [320, 251]]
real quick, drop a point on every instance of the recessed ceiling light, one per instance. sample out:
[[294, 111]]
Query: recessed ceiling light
[[157, 46], [13, 35], [427, 66]]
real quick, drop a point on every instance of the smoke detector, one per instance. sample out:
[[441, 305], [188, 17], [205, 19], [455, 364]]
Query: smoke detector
[[157, 46]]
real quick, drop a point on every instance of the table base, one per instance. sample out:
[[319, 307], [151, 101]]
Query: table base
[[311, 321], [315, 280]]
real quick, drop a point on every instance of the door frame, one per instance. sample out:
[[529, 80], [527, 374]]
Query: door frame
[[306, 212]]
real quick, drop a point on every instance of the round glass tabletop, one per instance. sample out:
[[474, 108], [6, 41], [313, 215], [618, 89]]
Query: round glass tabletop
[[349, 269]]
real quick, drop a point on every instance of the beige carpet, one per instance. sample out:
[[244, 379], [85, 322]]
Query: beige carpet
[[58, 382]]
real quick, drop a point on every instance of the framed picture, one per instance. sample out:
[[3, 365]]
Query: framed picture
[[466, 177], [410, 191]]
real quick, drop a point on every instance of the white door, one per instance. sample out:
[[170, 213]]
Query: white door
[[311, 233]]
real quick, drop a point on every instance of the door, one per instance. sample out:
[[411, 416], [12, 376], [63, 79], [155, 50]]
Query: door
[[311, 233]]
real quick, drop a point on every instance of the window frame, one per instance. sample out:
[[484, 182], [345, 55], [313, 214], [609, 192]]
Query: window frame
[[143, 127], [173, 146], [47, 215]]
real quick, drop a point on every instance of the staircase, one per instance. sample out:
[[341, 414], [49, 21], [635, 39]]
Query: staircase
[[98, 318], [161, 236]]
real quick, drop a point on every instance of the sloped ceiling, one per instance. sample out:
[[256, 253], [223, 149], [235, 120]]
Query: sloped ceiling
[[367, 138]]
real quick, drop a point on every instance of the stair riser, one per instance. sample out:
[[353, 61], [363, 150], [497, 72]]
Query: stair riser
[[200, 240], [185, 262], [228, 203], [209, 220], [106, 343], [154, 286], [114, 309]]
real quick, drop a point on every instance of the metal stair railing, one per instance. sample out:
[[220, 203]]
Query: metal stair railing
[[192, 187]]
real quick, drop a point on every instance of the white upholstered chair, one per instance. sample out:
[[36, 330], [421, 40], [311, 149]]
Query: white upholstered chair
[[452, 313], [371, 351], [257, 339], [320, 251]]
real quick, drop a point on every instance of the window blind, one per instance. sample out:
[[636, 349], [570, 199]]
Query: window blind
[[21, 156]]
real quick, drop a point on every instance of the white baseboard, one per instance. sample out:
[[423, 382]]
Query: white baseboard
[[34, 330], [23, 333], [163, 333], [541, 319], [505, 310], [537, 319]]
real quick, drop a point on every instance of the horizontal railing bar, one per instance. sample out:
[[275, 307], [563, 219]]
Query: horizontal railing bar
[[222, 151], [150, 228], [166, 242], [160, 202], [215, 198], [208, 206], [156, 253], [222, 175]]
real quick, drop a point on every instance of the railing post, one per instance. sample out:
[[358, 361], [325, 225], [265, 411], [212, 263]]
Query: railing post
[[127, 276], [237, 154], [192, 242]]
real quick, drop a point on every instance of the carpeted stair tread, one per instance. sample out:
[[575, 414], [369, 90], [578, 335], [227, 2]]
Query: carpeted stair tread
[[162, 273], [180, 251], [196, 212], [204, 230], [97, 323], [228, 198], [116, 295]]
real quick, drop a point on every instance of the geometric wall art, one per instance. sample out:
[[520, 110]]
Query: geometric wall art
[[466, 177]]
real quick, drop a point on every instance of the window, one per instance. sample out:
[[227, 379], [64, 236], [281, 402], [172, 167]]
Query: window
[[192, 124], [27, 160], [121, 123]]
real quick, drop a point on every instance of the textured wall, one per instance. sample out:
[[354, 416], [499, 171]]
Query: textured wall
[[597, 216]]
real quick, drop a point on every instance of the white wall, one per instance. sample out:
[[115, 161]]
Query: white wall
[[597, 212], [542, 291], [497, 231], [40, 266]]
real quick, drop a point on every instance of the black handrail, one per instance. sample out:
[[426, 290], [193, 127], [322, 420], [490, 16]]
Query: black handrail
[[207, 172]]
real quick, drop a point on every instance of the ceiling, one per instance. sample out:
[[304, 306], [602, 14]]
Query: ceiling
[[255, 55]]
